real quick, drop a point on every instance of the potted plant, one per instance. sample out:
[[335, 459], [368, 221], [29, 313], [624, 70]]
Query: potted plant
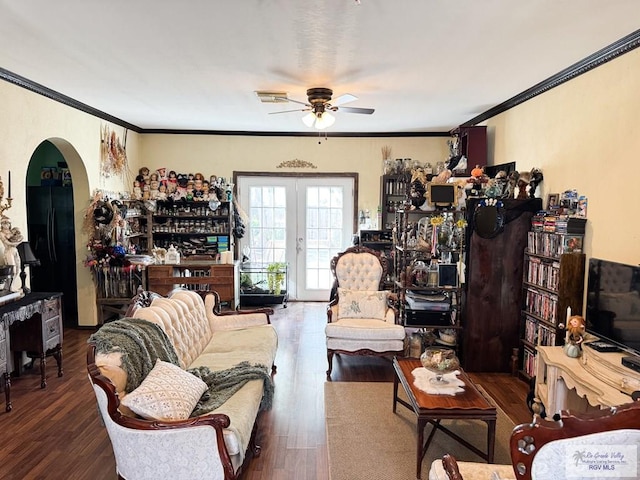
[[275, 277]]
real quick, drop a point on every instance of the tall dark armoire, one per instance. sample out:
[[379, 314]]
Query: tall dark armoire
[[495, 258]]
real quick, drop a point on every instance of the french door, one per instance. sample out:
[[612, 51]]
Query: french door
[[303, 221]]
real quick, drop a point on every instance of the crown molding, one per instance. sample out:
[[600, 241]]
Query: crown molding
[[16, 79], [616, 49]]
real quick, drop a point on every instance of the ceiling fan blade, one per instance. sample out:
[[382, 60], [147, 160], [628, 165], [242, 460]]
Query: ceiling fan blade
[[289, 111], [366, 111], [292, 100], [344, 98]]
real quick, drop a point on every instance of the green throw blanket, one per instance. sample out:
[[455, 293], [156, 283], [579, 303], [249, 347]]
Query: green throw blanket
[[224, 383], [142, 342]]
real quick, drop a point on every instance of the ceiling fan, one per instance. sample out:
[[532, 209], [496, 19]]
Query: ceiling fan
[[319, 106]]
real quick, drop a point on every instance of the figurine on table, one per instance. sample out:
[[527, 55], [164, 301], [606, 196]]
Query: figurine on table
[[574, 337]]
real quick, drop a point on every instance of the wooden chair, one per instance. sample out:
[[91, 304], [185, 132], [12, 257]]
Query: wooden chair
[[361, 317], [545, 450]]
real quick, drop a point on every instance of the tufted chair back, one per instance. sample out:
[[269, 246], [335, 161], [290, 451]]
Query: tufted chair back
[[359, 268]]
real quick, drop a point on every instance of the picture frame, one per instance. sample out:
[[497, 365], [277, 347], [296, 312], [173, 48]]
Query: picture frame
[[447, 275], [553, 201]]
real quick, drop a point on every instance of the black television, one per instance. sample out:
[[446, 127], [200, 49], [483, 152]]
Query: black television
[[613, 304]]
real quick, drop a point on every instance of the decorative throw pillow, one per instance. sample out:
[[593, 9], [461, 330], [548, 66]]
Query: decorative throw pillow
[[167, 393], [362, 303]]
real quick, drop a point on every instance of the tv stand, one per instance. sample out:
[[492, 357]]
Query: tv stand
[[599, 378]]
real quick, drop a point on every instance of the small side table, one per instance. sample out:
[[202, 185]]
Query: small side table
[[468, 405], [31, 324], [39, 335]]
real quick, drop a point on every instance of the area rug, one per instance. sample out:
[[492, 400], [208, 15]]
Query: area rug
[[367, 441]]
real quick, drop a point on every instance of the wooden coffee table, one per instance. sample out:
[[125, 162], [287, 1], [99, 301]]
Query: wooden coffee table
[[468, 405]]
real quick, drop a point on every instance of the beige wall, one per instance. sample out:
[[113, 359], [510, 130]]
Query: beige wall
[[222, 155], [584, 134], [27, 120]]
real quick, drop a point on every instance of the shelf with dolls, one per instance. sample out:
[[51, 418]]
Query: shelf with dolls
[[185, 210]]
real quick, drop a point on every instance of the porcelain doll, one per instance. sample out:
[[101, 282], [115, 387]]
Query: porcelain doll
[[144, 174], [172, 182], [162, 192], [181, 187], [146, 192], [154, 187], [197, 189], [137, 190], [190, 188], [205, 191]]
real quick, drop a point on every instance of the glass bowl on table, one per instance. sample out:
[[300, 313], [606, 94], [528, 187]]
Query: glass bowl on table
[[440, 361]]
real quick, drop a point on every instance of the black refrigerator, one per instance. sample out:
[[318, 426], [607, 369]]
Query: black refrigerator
[[52, 239]]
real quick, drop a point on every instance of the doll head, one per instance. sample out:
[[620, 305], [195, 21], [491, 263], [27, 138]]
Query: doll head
[[575, 327]]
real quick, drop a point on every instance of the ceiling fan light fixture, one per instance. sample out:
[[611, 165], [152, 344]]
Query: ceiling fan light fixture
[[319, 120], [324, 120], [309, 119]]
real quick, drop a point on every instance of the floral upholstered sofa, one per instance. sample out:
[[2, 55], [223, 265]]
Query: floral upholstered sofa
[[164, 421]]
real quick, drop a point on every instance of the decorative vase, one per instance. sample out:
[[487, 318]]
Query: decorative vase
[[439, 360]]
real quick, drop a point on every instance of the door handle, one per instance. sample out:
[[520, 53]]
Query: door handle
[[52, 239], [299, 244], [48, 233]]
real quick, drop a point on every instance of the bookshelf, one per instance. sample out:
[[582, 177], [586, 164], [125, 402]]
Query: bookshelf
[[553, 282]]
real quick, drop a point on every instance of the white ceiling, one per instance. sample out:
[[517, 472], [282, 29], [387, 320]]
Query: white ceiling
[[424, 65]]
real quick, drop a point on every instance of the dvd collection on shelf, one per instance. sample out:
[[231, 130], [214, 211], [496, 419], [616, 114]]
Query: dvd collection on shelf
[[542, 304], [543, 274], [538, 334], [529, 362]]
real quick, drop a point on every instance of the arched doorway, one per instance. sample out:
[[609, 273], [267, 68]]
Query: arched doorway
[[51, 183]]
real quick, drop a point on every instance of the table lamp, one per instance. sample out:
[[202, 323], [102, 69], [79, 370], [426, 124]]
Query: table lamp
[[26, 258]]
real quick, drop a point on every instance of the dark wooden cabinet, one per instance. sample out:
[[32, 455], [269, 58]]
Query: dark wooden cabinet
[[472, 143], [200, 275], [491, 316]]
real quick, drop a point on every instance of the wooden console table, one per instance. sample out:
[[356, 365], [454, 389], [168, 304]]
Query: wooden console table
[[32, 324], [599, 378], [201, 275]]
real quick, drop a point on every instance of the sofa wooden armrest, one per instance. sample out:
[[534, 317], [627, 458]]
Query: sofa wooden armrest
[[144, 434]]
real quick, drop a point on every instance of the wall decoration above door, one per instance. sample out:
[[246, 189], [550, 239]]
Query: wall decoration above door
[[113, 153]]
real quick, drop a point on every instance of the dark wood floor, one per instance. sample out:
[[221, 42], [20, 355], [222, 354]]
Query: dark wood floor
[[54, 433]]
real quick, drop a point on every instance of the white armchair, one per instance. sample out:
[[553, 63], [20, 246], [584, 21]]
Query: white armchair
[[361, 317], [576, 446]]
